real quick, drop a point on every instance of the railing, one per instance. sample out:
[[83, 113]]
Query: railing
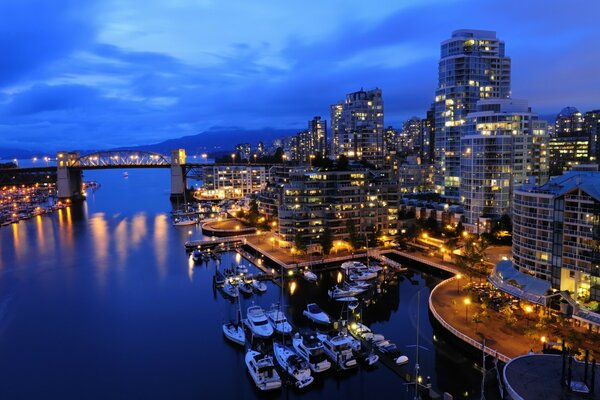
[[457, 333]]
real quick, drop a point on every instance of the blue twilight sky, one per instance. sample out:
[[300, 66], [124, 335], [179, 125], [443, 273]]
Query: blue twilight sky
[[102, 73]]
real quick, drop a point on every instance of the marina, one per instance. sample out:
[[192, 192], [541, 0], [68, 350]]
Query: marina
[[135, 278]]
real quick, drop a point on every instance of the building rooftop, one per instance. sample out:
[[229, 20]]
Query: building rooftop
[[588, 181], [538, 377]]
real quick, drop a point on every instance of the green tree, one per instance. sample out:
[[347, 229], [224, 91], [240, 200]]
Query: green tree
[[326, 241], [353, 236], [473, 258], [253, 212], [299, 243]]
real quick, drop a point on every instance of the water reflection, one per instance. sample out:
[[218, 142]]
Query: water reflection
[[99, 232], [138, 229], [160, 244], [121, 241]]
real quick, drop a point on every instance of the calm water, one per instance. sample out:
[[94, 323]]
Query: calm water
[[101, 301]]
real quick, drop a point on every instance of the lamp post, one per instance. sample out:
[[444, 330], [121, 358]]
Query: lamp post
[[467, 301], [458, 278], [528, 310], [272, 243], [233, 158]]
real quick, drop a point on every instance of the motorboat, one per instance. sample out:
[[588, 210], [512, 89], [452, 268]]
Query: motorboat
[[362, 275], [219, 278], [246, 287], [184, 221], [259, 286], [362, 353], [197, 255], [262, 370], [278, 320], [352, 265], [344, 291], [241, 269], [230, 288], [257, 322], [360, 331], [349, 299], [315, 314], [294, 365], [339, 350], [387, 347], [308, 275], [311, 349]]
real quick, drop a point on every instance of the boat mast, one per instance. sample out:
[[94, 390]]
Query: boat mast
[[417, 396]]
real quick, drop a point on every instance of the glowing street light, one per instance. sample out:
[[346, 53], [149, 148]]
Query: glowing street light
[[458, 278], [528, 310], [467, 302]]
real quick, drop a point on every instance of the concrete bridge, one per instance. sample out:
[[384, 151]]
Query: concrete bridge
[[70, 164]]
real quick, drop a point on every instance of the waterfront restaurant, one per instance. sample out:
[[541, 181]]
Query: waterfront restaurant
[[523, 286]]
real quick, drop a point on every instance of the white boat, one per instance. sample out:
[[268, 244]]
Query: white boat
[[362, 275], [339, 350], [278, 320], [184, 221], [309, 275], [348, 299], [241, 269], [294, 365], [352, 265], [246, 287], [315, 314], [311, 349], [233, 330], [230, 288], [259, 286], [360, 331], [125, 174], [262, 370], [257, 322], [345, 291], [362, 353]]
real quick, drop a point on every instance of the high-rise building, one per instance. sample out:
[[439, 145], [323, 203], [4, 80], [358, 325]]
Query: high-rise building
[[260, 149], [427, 145], [570, 144], [472, 66], [231, 182], [556, 232], [390, 139], [591, 127], [357, 126], [317, 129], [505, 144], [410, 137], [244, 150]]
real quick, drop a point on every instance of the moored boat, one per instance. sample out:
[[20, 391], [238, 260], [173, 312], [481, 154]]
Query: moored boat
[[278, 320], [338, 349], [311, 349], [262, 370], [315, 314], [294, 365], [257, 322]]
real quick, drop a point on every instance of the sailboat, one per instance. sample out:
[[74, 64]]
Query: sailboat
[[233, 330]]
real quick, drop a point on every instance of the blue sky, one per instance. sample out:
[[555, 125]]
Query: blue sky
[[76, 73]]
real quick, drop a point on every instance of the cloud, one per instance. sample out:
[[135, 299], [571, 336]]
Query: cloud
[[112, 73]]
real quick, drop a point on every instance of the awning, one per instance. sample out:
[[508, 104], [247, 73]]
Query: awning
[[507, 279]]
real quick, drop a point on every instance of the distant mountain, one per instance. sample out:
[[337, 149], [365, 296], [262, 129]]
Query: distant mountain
[[217, 140], [10, 153]]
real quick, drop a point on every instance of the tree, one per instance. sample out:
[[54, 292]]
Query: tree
[[253, 212], [342, 163], [326, 241], [373, 235], [354, 241], [473, 258], [299, 243]]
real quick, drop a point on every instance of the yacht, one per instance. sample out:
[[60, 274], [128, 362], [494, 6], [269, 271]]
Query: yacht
[[184, 221], [339, 350], [259, 286], [311, 349], [315, 314], [245, 287], [362, 353], [257, 322], [294, 365], [352, 265], [278, 320], [197, 255], [230, 288], [344, 291], [309, 275], [361, 275], [262, 370], [241, 269]]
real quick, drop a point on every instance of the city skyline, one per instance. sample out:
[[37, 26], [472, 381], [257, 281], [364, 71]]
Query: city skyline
[[110, 74]]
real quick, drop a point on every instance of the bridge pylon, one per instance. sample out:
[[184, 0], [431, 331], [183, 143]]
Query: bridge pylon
[[68, 180], [178, 177]]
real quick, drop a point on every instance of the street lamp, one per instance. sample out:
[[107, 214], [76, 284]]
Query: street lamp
[[458, 278], [272, 243], [233, 158], [467, 301], [528, 310]]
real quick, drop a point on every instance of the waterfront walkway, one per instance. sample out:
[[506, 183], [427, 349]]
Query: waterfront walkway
[[447, 304]]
